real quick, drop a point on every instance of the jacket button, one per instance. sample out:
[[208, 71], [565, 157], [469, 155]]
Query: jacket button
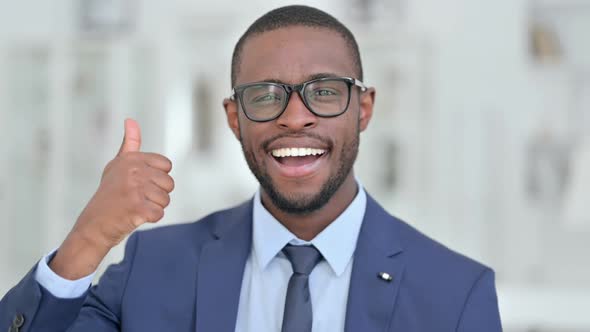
[[18, 321]]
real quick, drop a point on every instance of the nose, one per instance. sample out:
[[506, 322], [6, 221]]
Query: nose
[[296, 116]]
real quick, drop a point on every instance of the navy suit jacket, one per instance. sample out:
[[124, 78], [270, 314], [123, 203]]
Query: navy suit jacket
[[188, 278]]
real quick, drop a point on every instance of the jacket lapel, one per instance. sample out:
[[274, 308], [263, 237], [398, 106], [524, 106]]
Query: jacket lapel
[[220, 271], [371, 298]]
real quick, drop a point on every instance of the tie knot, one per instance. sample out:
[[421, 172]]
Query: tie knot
[[303, 258]]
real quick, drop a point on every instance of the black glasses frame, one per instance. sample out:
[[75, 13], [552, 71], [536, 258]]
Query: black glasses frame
[[238, 93]]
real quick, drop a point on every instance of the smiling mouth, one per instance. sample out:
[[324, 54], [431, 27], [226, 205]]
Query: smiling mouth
[[297, 162], [291, 156]]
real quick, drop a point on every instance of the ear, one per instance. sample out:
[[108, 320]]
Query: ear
[[232, 114], [366, 102]]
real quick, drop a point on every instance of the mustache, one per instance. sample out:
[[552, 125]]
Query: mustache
[[327, 141]]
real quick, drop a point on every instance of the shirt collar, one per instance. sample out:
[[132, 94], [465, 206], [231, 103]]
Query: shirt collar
[[336, 242]]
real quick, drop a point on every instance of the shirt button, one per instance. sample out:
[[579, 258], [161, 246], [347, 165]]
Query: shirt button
[[18, 321]]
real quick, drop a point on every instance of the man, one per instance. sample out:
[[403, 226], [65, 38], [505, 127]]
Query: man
[[310, 251]]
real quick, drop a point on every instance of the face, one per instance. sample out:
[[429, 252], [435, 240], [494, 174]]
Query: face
[[325, 148]]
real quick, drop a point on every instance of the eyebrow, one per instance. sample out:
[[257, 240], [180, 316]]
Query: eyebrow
[[308, 78]]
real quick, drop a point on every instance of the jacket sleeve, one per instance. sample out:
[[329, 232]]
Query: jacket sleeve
[[28, 307], [31, 308], [480, 312]]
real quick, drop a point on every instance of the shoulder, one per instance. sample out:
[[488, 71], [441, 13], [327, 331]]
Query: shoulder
[[429, 255], [427, 261], [192, 235], [452, 288], [435, 278]]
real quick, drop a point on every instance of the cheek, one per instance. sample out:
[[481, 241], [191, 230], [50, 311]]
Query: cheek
[[244, 128], [251, 135], [345, 129]]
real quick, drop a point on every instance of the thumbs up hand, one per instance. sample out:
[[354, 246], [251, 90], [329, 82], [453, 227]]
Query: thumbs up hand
[[134, 189]]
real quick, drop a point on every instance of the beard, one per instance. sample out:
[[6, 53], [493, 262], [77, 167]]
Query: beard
[[303, 204]]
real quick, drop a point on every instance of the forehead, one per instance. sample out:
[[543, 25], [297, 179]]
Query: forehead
[[293, 54]]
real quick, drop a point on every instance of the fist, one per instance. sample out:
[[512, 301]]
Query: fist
[[134, 189]]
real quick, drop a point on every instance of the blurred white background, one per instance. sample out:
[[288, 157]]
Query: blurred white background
[[480, 138]]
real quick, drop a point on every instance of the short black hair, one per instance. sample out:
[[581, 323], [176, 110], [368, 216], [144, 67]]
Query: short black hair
[[296, 15]]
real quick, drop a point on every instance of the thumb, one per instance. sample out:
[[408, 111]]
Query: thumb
[[132, 138]]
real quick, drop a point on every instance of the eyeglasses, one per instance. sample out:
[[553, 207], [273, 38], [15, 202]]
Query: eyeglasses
[[325, 97]]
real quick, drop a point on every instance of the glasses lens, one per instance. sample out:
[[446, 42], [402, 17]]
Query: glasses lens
[[263, 101], [327, 97]]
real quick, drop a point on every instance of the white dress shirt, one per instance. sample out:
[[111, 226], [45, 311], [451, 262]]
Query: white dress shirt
[[267, 271]]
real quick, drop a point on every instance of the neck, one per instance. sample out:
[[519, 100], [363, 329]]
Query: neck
[[308, 226]]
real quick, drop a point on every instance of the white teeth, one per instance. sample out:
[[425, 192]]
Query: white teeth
[[296, 152]]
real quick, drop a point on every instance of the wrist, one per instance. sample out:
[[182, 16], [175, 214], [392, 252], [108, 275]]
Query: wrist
[[77, 257]]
